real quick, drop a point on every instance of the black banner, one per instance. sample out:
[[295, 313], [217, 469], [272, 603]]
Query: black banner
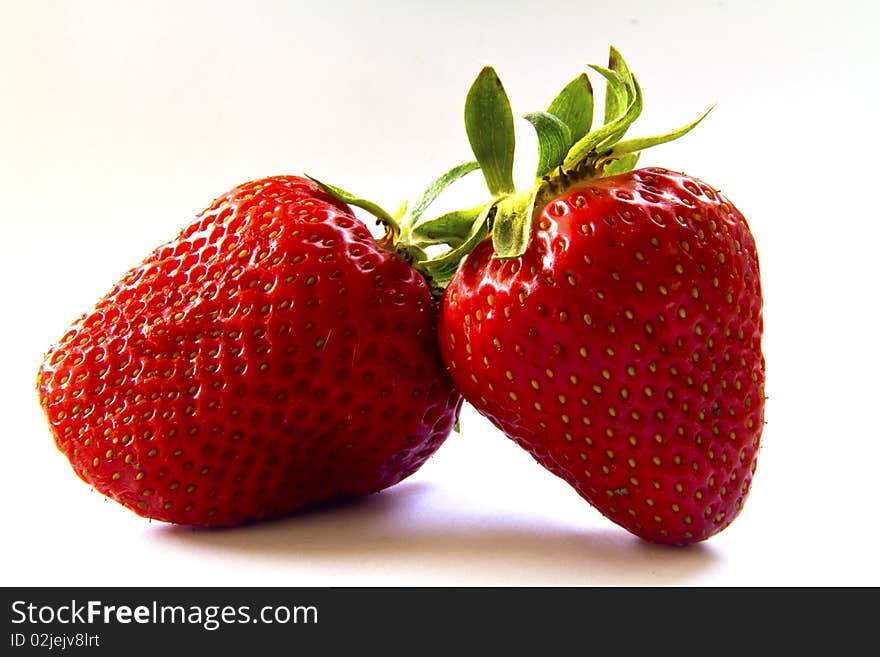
[[153, 621]]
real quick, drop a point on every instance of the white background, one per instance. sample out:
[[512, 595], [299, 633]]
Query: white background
[[121, 120]]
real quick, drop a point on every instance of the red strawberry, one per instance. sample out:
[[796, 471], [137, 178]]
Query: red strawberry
[[271, 356], [612, 325], [622, 349]]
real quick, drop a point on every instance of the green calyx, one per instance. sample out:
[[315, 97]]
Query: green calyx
[[569, 152]]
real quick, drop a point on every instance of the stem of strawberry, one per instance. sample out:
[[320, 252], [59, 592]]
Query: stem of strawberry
[[569, 152]]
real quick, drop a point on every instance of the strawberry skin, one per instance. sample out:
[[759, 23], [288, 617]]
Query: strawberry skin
[[273, 355], [623, 349]]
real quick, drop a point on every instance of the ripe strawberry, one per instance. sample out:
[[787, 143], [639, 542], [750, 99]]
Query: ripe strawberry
[[622, 349], [271, 356], [612, 325]]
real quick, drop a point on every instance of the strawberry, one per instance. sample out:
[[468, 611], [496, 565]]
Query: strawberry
[[622, 349], [273, 355], [611, 325]]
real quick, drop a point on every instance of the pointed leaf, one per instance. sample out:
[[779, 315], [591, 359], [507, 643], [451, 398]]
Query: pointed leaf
[[618, 95], [436, 187], [488, 121], [625, 91], [554, 140], [605, 137], [615, 101], [351, 199], [442, 268], [635, 145], [513, 224], [451, 228], [401, 211], [621, 164], [574, 107]]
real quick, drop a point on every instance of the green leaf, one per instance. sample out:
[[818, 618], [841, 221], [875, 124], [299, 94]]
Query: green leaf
[[605, 137], [621, 164], [554, 140], [451, 228], [488, 121], [618, 95], [627, 92], [574, 107], [351, 199], [401, 211], [616, 100], [635, 145], [436, 187], [441, 268], [513, 224]]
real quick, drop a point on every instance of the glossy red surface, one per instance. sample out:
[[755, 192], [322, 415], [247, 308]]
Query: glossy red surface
[[623, 349], [271, 356]]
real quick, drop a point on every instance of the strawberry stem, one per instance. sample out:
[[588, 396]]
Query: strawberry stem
[[569, 152]]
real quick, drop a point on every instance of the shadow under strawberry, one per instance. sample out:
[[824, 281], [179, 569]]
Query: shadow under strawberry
[[433, 538]]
